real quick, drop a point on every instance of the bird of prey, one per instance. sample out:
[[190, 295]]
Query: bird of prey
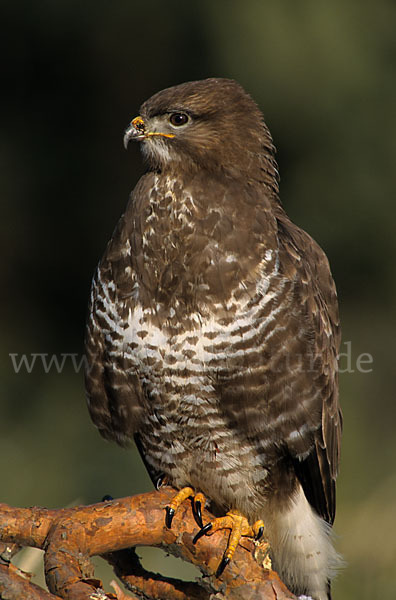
[[213, 333]]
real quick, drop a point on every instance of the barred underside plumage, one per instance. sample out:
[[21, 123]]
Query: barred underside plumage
[[213, 330]]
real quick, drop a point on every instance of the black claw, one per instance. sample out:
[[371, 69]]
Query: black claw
[[222, 566], [202, 532], [197, 509], [259, 534], [107, 498], [159, 481], [170, 513]]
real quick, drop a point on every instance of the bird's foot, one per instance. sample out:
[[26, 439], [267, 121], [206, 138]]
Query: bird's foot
[[160, 481], [198, 504], [239, 526]]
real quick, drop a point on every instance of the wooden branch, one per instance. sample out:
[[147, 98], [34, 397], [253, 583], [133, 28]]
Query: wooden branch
[[14, 583], [71, 536], [127, 567]]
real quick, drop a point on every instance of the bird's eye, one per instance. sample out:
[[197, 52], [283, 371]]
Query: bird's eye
[[178, 119]]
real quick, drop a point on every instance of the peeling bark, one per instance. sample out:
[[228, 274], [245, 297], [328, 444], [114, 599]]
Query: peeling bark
[[112, 529]]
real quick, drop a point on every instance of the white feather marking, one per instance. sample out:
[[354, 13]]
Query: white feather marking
[[155, 337], [301, 542], [158, 148], [298, 433]]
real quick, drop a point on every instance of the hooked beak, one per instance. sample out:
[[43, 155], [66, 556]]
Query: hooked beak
[[137, 131]]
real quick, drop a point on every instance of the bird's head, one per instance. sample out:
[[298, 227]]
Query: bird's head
[[211, 124]]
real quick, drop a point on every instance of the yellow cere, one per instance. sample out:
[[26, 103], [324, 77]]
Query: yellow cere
[[138, 123]]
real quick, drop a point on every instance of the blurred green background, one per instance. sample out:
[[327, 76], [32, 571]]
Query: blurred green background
[[74, 73]]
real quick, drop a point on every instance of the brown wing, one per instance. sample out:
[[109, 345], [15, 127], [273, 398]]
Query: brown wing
[[316, 292], [113, 389]]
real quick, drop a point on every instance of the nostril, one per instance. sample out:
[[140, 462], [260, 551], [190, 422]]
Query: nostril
[[138, 124]]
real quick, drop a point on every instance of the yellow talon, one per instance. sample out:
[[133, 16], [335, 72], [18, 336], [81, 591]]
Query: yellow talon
[[182, 495], [233, 520], [239, 526], [198, 504]]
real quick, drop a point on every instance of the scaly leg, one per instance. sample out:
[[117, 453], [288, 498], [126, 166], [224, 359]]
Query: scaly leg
[[181, 496], [239, 526]]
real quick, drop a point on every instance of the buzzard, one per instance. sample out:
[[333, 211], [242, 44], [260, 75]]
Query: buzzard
[[213, 333]]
